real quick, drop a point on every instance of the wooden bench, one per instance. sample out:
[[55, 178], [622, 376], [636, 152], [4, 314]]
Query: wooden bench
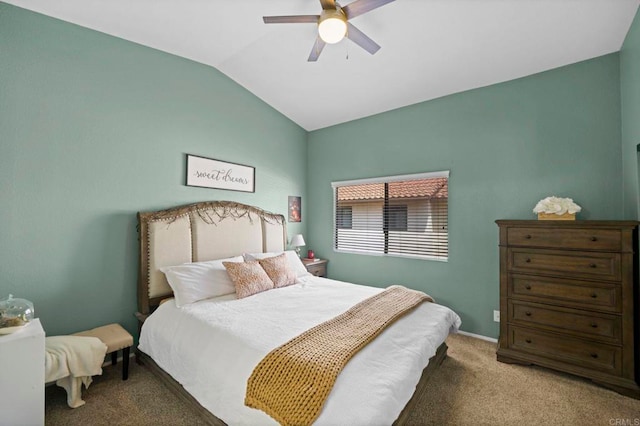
[[116, 338]]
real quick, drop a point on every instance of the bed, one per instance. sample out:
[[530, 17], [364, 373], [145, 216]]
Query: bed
[[205, 351]]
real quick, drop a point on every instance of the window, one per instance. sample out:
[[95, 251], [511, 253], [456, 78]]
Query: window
[[396, 216], [344, 217]]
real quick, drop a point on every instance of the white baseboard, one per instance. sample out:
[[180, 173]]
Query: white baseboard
[[478, 336]]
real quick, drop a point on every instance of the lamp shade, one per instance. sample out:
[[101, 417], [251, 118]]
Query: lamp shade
[[297, 240], [332, 26]]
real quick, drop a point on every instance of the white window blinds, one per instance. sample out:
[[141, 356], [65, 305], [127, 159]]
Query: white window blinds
[[396, 216]]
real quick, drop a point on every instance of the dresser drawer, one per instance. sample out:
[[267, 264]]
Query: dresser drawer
[[603, 327], [605, 266], [579, 239], [565, 292], [587, 354], [317, 269]]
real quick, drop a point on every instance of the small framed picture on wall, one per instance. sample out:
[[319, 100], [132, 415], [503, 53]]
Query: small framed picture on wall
[[295, 209]]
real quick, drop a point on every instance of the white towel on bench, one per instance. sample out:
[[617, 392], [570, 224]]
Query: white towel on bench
[[71, 361]]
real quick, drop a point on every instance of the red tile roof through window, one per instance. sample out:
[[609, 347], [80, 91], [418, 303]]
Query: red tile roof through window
[[423, 188]]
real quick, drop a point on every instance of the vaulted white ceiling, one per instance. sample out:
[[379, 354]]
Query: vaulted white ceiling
[[430, 48]]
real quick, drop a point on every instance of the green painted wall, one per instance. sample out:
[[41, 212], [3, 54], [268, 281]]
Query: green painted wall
[[94, 129], [507, 146], [630, 94]]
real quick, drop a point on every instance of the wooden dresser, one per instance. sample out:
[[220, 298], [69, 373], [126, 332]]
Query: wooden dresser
[[569, 299]]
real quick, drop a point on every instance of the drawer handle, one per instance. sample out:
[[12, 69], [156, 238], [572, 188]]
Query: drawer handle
[[528, 313], [594, 356], [528, 237], [528, 260], [594, 325], [594, 295], [593, 265], [528, 340], [594, 239], [528, 287]]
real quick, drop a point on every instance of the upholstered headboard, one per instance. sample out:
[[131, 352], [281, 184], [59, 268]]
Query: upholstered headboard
[[200, 232]]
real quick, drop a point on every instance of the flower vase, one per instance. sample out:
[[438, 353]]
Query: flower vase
[[553, 216]]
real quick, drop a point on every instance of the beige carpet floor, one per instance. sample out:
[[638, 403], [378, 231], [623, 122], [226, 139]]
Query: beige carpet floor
[[470, 388]]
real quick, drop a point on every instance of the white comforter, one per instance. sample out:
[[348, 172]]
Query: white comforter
[[212, 346]]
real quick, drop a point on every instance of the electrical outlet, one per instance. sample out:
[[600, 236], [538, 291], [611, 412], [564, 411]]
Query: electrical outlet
[[496, 316]]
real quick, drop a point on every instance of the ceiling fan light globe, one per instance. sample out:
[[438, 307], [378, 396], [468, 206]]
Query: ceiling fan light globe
[[332, 26]]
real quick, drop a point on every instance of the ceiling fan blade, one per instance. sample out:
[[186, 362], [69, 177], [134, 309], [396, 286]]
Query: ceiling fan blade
[[359, 7], [361, 39], [328, 4], [295, 19], [317, 49]]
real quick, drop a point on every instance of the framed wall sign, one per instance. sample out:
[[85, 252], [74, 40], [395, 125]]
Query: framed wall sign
[[210, 173]]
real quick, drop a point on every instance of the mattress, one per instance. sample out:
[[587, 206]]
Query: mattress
[[212, 346]]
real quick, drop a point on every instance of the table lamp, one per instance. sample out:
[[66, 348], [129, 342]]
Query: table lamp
[[297, 241]]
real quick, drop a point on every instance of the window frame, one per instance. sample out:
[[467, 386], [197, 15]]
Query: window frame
[[387, 179]]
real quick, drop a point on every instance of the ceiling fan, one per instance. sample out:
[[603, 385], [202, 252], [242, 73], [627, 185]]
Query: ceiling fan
[[332, 24]]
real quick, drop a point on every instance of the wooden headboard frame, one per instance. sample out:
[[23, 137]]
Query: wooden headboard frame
[[200, 232]]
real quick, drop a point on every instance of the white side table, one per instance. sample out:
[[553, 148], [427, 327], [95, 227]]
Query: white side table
[[22, 358]]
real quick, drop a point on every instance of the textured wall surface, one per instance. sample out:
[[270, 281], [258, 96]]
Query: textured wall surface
[[630, 93], [507, 146], [94, 129]]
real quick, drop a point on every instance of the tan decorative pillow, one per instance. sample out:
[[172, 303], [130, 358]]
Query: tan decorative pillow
[[248, 278], [278, 270]]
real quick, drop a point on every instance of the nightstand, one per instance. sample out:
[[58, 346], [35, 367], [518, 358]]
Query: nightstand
[[317, 267]]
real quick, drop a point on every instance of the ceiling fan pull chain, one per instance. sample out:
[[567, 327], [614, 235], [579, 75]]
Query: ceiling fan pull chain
[[347, 43]]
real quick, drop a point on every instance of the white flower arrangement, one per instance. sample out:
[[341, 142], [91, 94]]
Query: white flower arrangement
[[556, 205]]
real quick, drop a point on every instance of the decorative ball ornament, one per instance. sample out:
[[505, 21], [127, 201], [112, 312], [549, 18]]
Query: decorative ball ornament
[[14, 314]]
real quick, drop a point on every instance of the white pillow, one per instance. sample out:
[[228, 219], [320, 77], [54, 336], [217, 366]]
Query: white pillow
[[294, 261], [196, 281]]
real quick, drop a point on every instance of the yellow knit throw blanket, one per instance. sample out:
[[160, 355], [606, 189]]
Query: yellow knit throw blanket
[[293, 381]]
